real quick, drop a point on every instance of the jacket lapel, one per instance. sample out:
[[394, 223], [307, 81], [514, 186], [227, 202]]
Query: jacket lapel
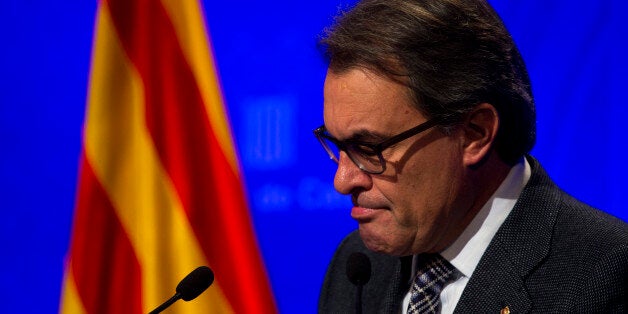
[[521, 243], [398, 286]]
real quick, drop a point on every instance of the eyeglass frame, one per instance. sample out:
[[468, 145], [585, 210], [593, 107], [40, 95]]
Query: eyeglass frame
[[322, 135]]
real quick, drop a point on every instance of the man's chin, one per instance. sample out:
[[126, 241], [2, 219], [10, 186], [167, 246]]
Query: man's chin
[[378, 245]]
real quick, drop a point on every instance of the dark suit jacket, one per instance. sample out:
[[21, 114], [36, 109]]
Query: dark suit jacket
[[553, 254]]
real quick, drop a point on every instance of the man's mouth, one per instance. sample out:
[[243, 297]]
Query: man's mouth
[[364, 214]]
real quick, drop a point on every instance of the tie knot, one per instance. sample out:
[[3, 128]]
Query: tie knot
[[432, 274], [433, 268]]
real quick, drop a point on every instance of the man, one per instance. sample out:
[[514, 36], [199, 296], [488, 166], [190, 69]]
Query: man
[[429, 114]]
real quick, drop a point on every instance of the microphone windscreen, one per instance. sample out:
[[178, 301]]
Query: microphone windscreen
[[195, 283], [358, 268]]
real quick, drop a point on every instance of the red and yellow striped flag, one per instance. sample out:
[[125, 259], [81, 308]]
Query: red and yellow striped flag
[[159, 191]]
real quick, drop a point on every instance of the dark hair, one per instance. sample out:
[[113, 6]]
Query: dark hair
[[452, 55]]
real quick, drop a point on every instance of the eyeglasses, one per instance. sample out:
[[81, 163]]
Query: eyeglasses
[[368, 157]]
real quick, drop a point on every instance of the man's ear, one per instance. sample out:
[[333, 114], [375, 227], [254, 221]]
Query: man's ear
[[480, 130]]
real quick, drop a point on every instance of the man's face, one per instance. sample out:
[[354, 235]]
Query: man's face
[[411, 207]]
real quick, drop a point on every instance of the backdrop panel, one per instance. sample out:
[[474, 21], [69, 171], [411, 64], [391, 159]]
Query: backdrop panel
[[272, 76]]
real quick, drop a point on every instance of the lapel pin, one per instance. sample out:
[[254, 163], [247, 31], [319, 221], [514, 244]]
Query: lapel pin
[[505, 310]]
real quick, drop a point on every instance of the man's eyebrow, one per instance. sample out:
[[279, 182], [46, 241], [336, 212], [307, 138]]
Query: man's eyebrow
[[366, 136]]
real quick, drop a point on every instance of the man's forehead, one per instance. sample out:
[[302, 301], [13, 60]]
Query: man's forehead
[[360, 104], [356, 79]]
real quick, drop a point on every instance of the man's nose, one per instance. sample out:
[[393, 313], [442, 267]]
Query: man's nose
[[349, 177]]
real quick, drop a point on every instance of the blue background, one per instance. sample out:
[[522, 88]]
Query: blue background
[[272, 76]]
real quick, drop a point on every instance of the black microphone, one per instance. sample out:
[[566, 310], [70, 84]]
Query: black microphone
[[190, 287], [359, 273]]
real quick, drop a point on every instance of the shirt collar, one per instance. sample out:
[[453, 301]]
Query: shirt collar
[[468, 248]]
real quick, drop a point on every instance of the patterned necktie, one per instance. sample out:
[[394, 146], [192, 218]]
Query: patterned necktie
[[430, 279]]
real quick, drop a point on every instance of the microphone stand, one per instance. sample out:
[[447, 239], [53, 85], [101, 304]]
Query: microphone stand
[[358, 299], [166, 304]]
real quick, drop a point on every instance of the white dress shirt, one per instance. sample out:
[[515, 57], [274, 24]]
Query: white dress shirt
[[466, 251]]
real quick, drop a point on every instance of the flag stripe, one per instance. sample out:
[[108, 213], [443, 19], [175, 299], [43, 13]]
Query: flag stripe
[[113, 264], [211, 194], [189, 24], [118, 142], [70, 301]]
